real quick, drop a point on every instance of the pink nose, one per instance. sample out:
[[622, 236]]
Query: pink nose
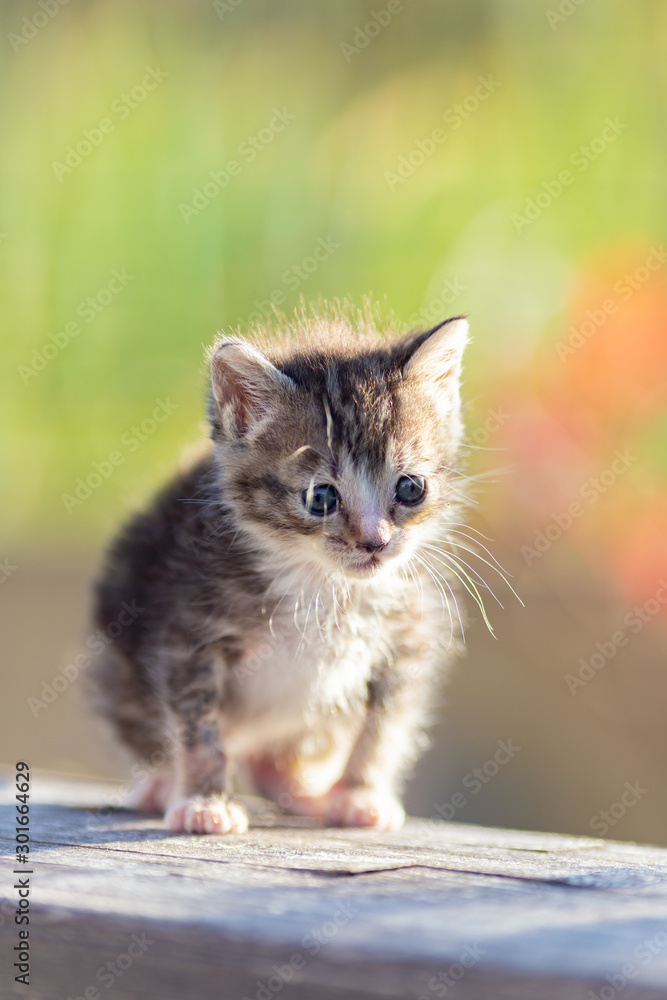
[[374, 535], [372, 547]]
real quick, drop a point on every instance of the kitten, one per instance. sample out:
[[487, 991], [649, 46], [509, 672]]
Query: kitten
[[293, 618]]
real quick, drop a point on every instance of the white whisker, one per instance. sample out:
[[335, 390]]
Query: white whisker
[[462, 524], [438, 581], [470, 586], [415, 576], [457, 560], [497, 568], [475, 541]]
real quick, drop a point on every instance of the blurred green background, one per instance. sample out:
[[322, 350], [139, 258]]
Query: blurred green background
[[170, 169]]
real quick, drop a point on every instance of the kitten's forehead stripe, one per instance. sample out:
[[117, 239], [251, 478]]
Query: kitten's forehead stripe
[[358, 396], [327, 410]]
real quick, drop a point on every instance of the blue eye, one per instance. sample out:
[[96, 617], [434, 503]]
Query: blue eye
[[323, 499], [410, 489]]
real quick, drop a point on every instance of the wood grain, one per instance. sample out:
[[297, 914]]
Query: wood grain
[[293, 910]]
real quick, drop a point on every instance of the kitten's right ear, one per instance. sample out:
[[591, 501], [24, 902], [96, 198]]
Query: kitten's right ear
[[246, 386]]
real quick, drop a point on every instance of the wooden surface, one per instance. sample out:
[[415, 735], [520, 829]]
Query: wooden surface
[[437, 910]]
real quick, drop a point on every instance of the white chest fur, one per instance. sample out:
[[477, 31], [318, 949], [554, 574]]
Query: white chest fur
[[310, 663]]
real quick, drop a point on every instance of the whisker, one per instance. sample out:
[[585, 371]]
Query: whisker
[[448, 555], [475, 541], [474, 593], [310, 604], [457, 560], [438, 581], [479, 447], [479, 476], [462, 524], [207, 503], [299, 451], [441, 593], [317, 615], [497, 568], [415, 576], [463, 497]]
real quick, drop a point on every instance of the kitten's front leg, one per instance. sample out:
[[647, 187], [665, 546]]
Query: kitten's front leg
[[367, 793], [200, 802]]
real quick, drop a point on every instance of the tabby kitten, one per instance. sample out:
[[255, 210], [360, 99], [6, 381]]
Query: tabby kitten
[[294, 612]]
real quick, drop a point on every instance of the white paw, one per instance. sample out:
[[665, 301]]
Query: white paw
[[364, 807], [206, 814], [150, 795]]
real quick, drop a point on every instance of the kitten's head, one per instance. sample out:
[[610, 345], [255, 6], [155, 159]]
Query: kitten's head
[[340, 455]]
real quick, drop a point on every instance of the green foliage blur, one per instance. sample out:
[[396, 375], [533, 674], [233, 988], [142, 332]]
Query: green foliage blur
[[429, 226]]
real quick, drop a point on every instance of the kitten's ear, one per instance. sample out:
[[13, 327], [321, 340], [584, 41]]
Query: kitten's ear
[[246, 386], [436, 357]]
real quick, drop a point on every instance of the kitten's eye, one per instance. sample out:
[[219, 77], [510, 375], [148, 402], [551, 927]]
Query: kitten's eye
[[410, 489], [323, 499]]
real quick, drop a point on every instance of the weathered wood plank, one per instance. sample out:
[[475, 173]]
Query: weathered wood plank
[[501, 913]]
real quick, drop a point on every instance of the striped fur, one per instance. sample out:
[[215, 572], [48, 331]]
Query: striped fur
[[304, 648]]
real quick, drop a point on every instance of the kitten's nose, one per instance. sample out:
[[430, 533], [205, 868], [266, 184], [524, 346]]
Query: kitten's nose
[[372, 533], [375, 536], [370, 547]]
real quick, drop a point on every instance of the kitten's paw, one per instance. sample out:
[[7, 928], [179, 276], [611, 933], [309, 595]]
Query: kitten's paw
[[206, 814], [364, 807], [150, 795]]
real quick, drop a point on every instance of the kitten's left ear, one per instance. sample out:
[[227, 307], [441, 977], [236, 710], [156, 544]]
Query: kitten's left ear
[[435, 363], [437, 356]]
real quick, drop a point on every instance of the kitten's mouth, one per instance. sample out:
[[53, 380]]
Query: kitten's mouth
[[356, 563], [363, 564], [367, 564]]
